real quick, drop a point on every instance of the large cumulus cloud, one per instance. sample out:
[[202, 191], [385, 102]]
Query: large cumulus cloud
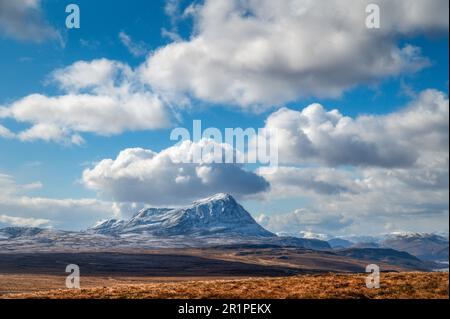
[[360, 201], [99, 96], [164, 178], [398, 139], [261, 52], [378, 173]]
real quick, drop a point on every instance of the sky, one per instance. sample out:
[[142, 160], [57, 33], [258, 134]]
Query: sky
[[361, 113]]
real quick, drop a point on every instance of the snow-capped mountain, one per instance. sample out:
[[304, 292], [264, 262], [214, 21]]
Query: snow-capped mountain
[[216, 215], [312, 235], [12, 232], [414, 235], [425, 246], [20, 232], [215, 221]]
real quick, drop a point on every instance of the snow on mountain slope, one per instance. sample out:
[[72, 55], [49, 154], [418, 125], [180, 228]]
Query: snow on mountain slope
[[108, 226], [216, 215], [17, 232]]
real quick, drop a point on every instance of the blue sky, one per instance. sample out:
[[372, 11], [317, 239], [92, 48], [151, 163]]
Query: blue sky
[[26, 67]]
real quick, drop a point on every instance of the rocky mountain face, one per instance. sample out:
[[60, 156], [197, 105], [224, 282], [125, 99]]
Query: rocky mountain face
[[217, 215]]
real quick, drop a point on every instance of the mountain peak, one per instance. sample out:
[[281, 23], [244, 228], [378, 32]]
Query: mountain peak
[[217, 197], [219, 214]]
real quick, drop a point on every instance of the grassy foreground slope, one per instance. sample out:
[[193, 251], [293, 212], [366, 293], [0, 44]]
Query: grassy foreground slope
[[412, 285]]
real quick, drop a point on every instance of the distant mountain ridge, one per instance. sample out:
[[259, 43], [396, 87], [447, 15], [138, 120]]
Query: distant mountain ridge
[[214, 221], [423, 246], [426, 246]]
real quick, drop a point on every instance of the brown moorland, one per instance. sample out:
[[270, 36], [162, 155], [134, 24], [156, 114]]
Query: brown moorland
[[405, 285]]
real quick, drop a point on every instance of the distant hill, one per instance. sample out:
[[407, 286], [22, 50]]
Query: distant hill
[[388, 256], [340, 243]]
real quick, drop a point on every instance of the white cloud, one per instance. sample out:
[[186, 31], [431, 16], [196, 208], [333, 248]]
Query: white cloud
[[399, 139], [4, 132], [260, 53], [385, 200], [99, 75], [23, 20], [362, 200], [302, 220], [6, 183], [139, 175], [19, 209], [294, 181], [370, 174], [70, 214], [173, 10], [137, 49], [23, 222], [102, 97], [34, 185], [49, 133]]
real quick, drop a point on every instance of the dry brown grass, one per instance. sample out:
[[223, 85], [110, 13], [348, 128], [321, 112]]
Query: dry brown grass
[[393, 286]]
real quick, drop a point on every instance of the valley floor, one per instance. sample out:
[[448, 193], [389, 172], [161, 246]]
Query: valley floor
[[404, 285]]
